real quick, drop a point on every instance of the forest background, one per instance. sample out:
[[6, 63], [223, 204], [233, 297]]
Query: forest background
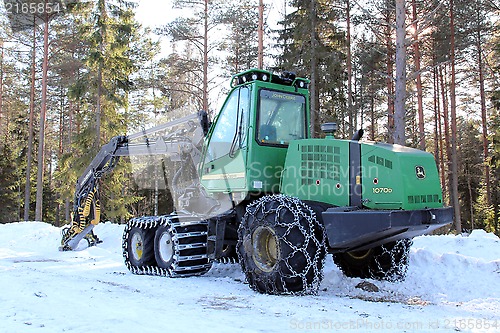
[[423, 73]]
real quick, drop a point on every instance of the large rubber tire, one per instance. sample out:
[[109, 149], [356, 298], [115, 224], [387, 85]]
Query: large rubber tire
[[281, 246], [140, 247], [385, 262], [164, 249]]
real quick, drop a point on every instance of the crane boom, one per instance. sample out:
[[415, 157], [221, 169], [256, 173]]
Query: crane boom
[[180, 140]]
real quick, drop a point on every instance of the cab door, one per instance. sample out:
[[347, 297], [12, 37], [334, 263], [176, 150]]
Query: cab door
[[224, 166]]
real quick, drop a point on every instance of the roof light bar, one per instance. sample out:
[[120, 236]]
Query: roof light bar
[[286, 78]]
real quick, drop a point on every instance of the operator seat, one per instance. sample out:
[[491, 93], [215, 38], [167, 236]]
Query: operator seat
[[267, 133]]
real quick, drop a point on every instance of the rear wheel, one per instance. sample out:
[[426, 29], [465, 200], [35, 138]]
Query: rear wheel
[[281, 246], [385, 262], [180, 246], [169, 245], [164, 247]]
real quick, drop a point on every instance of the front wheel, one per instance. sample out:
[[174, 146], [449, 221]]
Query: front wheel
[[281, 246], [138, 246], [385, 262]]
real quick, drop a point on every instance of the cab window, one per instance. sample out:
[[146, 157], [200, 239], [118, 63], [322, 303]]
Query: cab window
[[281, 117], [229, 133]]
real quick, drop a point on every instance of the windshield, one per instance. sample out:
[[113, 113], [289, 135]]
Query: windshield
[[281, 117]]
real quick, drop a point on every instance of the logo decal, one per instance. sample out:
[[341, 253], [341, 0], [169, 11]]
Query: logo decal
[[420, 172]]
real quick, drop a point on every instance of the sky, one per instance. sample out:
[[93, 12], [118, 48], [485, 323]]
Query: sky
[[154, 13], [158, 12]]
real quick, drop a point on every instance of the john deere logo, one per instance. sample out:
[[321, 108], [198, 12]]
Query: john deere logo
[[420, 172]]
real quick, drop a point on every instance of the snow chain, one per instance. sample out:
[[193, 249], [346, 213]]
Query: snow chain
[[392, 262], [312, 248]]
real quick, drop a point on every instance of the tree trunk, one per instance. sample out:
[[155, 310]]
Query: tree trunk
[[70, 125], [469, 187], [446, 133], [313, 90], [29, 157], [98, 113], [400, 84], [484, 120], [261, 35], [436, 117], [1, 82], [61, 124], [416, 50], [453, 113], [439, 137], [349, 71], [205, 59], [43, 112], [67, 213], [372, 108], [101, 8], [389, 80]]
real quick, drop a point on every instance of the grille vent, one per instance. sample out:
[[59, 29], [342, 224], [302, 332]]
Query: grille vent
[[380, 161], [319, 162], [416, 199]]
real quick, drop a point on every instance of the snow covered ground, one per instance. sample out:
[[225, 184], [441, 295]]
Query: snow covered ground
[[453, 285]]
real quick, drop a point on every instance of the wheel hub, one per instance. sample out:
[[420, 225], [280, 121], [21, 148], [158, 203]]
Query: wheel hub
[[359, 255], [166, 247], [266, 250], [137, 247]]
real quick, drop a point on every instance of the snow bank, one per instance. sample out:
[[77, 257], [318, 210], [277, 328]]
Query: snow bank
[[456, 268], [452, 285]]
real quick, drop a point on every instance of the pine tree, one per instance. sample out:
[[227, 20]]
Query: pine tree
[[370, 97], [469, 180], [12, 144], [492, 218], [241, 44], [43, 116], [318, 54], [10, 182], [110, 52]]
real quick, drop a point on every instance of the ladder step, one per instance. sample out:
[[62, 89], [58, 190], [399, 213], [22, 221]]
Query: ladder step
[[191, 246], [188, 223], [191, 268], [191, 234], [195, 257]]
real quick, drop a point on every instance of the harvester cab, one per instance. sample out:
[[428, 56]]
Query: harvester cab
[[247, 145]]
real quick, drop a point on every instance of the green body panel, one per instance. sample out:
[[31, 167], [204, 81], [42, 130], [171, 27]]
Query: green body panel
[[255, 167], [390, 179], [318, 170]]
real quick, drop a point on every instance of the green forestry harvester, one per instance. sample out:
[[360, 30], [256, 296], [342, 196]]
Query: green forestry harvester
[[267, 195]]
